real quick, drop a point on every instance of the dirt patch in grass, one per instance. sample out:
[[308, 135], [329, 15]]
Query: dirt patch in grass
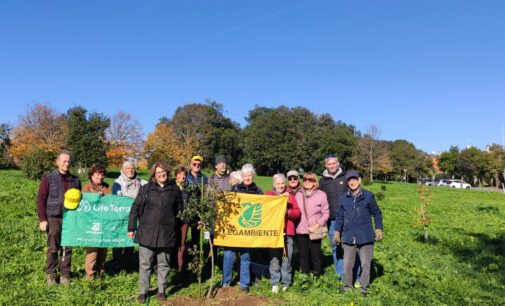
[[228, 296]]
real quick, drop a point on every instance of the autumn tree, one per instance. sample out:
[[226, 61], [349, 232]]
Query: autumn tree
[[40, 126], [124, 139], [86, 136], [371, 154], [165, 146]]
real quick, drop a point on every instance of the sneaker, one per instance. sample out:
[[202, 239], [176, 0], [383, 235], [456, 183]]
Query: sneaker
[[363, 294], [275, 289], [162, 297], [245, 290], [51, 279], [65, 280], [284, 288], [142, 299]]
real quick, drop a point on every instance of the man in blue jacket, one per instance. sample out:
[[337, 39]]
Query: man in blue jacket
[[354, 221]]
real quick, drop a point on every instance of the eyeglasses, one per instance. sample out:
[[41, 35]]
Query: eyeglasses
[[293, 178], [330, 156], [309, 180], [196, 164]]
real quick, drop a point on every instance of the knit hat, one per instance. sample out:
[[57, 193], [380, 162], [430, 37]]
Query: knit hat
[[220, 159]]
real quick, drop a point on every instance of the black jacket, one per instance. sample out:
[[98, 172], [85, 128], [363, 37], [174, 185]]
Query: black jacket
[[242, 188], [156, 207], [334, 188]]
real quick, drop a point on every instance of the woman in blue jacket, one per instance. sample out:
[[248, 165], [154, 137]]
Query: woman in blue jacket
[[354, 221]]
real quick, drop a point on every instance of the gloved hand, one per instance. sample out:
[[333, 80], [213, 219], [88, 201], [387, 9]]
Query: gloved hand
[[336, 237], [378, 234]]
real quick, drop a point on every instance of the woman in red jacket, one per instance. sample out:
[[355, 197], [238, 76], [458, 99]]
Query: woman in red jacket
[[292, 215]]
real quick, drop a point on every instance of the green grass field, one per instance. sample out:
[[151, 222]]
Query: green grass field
[[463, 264]]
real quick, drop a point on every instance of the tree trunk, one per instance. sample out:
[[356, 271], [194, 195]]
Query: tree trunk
[[209, 294]]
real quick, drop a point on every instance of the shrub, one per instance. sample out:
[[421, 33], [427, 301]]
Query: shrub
[[37, 162]]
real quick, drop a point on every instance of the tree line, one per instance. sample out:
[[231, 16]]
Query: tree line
[[273, 140]]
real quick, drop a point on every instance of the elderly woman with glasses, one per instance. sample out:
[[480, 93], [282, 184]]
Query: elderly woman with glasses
[[292, 215], [247, 186], [314, 214]]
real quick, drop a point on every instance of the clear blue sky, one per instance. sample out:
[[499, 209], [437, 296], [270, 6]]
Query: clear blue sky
[[430, 71]]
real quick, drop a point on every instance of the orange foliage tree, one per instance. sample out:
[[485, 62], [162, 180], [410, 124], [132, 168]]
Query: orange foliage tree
[[41, 126], [163, 145]]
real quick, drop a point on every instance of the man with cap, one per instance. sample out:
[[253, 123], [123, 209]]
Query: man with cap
[[221, 178], [354, 223], [334, 184], [293, 182], [195, 175], [50, 201]]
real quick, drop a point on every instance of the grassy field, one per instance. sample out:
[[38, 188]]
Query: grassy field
[[463, 264]]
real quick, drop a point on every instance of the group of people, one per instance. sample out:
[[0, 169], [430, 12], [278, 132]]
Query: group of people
[[336, 204]]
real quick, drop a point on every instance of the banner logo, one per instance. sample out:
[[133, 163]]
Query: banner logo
[[250, 215], [95, 227], [84, 206]]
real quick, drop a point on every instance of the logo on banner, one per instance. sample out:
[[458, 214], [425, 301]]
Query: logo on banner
[[84, 206], [250, 215], [95, 227]]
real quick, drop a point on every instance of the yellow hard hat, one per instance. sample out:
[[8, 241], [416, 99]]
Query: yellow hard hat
[[72, 198]]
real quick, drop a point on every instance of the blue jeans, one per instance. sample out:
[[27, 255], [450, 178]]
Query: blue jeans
[[338, 256], [285, 270], [245, 261]]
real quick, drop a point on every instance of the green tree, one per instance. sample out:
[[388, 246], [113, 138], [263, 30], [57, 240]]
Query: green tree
[[206, 125], [37, 162], [447, 161], [86, 136], [405, 156], [5, 144]]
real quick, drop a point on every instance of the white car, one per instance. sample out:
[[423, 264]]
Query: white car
[[457, 184]]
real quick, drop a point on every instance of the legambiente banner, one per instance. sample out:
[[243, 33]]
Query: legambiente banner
[[98, 221], [256, 222]]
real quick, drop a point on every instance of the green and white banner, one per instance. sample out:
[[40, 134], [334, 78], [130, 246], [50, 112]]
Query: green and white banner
[[98, 221]]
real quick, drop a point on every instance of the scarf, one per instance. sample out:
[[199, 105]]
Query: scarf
[[129, 186]]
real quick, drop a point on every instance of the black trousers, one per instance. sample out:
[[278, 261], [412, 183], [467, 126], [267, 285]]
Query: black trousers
[[310, 253]]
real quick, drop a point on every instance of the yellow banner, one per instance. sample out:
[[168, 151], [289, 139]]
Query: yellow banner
[[251, 221]]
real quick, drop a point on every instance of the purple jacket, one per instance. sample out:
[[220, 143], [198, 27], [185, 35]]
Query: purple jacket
[[317, 209]]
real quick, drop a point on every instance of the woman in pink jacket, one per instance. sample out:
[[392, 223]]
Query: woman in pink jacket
[[292, 216], [315, 212]]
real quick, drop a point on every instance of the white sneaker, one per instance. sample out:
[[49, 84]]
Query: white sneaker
[[284, 288], [275, 289]]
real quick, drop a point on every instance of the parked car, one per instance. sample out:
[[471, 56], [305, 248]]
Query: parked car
[[427, 181], [457, 184], [442, 182]]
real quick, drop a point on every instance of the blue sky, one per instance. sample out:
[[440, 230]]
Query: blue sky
[[430, 71]]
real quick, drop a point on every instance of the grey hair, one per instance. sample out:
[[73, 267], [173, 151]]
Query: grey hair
[[278, 176], [248, 168], [129, 162], [64, 152], [237, 176]]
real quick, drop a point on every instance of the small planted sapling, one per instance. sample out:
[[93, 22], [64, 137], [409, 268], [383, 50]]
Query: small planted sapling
[[424, 219]]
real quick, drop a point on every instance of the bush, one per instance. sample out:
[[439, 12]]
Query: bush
[[37, 162]]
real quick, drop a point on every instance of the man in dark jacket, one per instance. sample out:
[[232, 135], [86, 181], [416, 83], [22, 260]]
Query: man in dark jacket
[[354, 221], [334, 184], [195, 175], [221, 178], [50, 211]]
